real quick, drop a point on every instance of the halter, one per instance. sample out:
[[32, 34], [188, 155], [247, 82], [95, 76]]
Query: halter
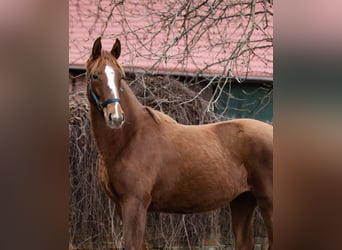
[[100, 105]]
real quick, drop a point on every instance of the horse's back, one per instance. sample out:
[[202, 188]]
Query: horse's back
[[246, 129], [259, 130]]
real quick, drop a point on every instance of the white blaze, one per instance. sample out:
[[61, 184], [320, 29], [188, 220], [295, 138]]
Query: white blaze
[[111, 83]]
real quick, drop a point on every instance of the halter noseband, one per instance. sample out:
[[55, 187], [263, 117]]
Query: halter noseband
[[100, 105]]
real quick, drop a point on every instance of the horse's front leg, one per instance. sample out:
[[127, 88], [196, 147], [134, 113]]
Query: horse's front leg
[[134, 212]]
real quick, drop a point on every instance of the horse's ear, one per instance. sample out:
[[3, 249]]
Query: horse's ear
[[116, 50], [97, 47]]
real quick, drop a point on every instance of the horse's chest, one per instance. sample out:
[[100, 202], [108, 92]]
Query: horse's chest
[[106, 181]]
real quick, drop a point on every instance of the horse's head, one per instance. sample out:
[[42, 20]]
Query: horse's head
[[104, 76]]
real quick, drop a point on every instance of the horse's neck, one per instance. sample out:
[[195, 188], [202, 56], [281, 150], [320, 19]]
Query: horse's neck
[[130, 104], [115, 139]]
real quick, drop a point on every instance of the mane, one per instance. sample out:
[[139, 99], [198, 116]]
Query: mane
[[159, 117]]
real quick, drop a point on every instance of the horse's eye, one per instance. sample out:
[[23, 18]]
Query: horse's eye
[[95, 76]]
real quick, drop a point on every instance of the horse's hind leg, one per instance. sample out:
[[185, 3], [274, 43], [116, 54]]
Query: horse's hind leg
[[262, 182], [265, 204], [265, 207], [242, 210]]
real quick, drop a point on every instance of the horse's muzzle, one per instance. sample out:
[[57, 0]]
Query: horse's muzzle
[[115, 121]]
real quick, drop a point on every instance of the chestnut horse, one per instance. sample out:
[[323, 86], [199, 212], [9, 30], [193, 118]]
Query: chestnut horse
[[149, 162]]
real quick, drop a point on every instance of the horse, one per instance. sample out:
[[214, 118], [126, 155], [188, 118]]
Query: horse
[[149, 162]]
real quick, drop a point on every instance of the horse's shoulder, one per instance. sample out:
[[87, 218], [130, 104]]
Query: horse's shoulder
[[159, 117]]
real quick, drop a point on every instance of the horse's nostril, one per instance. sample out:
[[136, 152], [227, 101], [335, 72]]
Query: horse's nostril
[[117, 119]]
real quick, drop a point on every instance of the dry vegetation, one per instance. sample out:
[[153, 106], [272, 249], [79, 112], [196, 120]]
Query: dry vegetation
[[94, 223]]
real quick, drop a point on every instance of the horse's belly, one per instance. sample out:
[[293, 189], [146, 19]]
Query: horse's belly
[[193, 207], [201, 181], [200, 197]]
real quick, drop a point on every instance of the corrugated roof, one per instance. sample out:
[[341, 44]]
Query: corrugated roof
[[142, 48]]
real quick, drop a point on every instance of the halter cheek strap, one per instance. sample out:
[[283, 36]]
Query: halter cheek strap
[[100, 105]]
